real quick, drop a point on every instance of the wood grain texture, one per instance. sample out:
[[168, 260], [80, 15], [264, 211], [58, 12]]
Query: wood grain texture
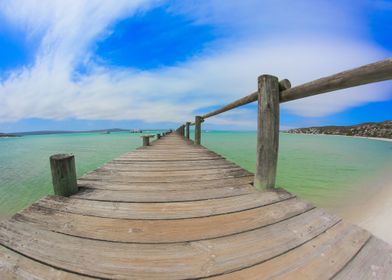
[[16, 266], [167, 210], [374, 261], [63, 174], [162, 231], [184, 218], [267, 133], [186, 260]]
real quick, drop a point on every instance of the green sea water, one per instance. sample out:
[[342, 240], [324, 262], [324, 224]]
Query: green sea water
[[325, 170]]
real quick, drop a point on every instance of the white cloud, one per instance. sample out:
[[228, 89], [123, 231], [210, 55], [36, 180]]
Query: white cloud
[[48, 89]]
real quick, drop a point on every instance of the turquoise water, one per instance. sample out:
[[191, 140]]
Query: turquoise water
[[326, 170], [24, 162], [322, 169]]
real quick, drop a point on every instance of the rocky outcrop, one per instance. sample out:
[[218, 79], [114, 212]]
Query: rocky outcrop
[[379, 129]]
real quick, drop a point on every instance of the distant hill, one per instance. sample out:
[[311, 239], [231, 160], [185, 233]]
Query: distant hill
[[374, 129], [8, 135], [45, 132]]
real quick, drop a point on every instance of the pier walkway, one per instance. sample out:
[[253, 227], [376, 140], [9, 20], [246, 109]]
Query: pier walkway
[[175, 210]]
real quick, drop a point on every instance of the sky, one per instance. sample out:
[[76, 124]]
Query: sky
[[96, 64]]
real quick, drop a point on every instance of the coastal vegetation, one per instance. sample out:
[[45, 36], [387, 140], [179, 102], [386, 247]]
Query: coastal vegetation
[[371, 129]]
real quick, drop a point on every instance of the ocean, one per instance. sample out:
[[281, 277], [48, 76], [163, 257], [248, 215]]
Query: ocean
[[329, 171]]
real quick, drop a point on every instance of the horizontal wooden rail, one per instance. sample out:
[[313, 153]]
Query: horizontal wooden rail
[[271, 92], [283, 85], [370, 73]]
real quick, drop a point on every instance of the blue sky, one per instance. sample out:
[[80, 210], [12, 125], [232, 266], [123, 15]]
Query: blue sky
[[147, 64]]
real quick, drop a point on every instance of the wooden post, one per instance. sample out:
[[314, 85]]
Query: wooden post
[[158, 136], [267, 132], [183, 130], [146, 139], [187, 129], [198, 121], [63, 174]]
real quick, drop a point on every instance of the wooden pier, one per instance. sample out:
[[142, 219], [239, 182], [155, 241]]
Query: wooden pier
[[173, 209]]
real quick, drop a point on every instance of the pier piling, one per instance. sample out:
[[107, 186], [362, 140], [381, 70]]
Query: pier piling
[[198, 121], [63, 174], [267, 132]]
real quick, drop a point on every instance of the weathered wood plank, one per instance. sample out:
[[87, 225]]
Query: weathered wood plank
[[165, 178], [104, 171], [16, 266], [167, 210], [162, 196], [318, 259], [144, 261], [162, 231], [374, 261], [163, 167], [241, 182]]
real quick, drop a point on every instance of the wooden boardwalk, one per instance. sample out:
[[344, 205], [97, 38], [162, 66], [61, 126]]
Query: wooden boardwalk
[[175, 210]]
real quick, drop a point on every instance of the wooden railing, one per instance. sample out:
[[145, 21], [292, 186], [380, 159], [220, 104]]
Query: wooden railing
[[271, 93]]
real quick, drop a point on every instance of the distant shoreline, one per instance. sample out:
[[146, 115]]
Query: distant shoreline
[[360, 137], [372, 138], [373, 130], [8, 136]]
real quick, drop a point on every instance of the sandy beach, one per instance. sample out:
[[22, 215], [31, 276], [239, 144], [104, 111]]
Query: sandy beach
[[374, 214], [373, 138]]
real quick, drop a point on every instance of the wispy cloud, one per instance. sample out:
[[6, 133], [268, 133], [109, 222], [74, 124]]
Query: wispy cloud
[[277, 39]]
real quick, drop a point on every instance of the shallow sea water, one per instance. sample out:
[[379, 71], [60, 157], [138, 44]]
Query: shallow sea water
[[325, 170]]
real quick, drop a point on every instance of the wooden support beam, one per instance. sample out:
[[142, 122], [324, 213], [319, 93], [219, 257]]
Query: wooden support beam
[[371, 73], [198, 121], [267, 132], [63, 174], [283, 85], [187, 130], [146, 139]]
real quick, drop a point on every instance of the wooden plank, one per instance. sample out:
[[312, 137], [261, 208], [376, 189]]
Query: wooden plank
[[164, 159], [161, 196], [16, 266], [319, 258], [164, 261], [166, 178], [173, 164], [165, 210], [163, 167], [121, 185], [374, 261], [162, 231], [173, 151], [240, 182], [104, 171]]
